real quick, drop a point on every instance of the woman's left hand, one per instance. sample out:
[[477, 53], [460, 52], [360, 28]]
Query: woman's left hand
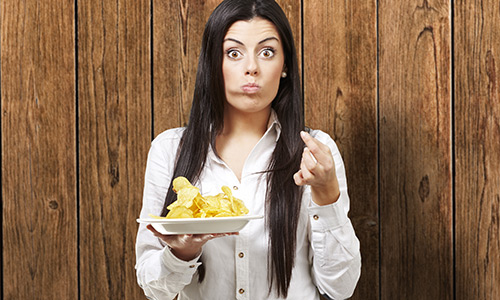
[[317, 169]]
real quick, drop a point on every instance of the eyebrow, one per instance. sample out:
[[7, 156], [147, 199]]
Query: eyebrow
[[263, 41]]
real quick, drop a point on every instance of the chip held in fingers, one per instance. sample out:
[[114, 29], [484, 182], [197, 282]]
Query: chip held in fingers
[[191, 204]]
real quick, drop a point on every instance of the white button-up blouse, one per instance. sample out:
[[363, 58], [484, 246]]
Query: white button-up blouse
[[327, 259]]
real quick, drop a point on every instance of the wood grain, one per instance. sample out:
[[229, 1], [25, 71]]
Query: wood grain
[[114, 133], [292, 10], [177, 31], [39, 223], [477, 137], [340, 81], [77, 111], [415, 150]]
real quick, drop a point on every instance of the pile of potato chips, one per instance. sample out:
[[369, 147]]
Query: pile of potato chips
[[190, 203]]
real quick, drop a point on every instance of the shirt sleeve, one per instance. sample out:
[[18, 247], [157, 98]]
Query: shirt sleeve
[[159, 273], [335, 252]]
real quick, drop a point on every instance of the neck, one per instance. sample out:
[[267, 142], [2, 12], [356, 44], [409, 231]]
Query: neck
[[237, 123]]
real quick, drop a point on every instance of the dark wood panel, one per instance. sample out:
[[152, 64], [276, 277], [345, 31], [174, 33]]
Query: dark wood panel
[[39, 223], [115, 132], [340, 81], [477, 137], [415, 150]]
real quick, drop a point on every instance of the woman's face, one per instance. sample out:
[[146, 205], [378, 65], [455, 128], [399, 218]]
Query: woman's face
[[253, 60]]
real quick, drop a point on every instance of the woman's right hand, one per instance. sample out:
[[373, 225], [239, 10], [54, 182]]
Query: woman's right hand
[[186, 246]]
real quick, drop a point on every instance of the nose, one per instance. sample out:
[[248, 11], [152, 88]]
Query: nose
[[252, 67]]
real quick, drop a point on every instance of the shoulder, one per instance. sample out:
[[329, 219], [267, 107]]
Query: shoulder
[[169, 135], [166, 143]]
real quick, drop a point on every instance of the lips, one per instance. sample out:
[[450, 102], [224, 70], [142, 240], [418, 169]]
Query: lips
[[250, 88]]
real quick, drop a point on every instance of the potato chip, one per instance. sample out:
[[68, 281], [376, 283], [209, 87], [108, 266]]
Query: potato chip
[[185, 197], [179, 212], [179, 183], [190, 203]]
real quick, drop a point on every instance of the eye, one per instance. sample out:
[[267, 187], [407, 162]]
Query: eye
[[234, 54], [267, 53]]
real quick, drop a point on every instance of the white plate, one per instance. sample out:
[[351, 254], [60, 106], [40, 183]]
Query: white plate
[[199, 225]]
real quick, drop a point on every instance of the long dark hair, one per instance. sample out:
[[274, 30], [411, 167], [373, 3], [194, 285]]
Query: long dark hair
[[206, 122]]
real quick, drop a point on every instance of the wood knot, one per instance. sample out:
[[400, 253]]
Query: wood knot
[[339, 93], [371, 223], [424, 190], [53, 204], [491, 70], [115, 175]]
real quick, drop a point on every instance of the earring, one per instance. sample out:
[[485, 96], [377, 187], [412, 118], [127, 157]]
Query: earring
[[283, 74]]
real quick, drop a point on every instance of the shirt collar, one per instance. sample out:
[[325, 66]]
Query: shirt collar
[[274, 124]]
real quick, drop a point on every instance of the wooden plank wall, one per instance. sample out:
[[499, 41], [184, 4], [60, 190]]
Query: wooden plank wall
[[340, 86], [477, 150], [114, 100], [415, 106], [39, 161], [409, 90]]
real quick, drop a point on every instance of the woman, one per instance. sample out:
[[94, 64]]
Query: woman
[[246, 131]]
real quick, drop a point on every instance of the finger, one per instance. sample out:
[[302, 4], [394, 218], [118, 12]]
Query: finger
[[227, 234], [312, 156], [306, 173], [297, 177], [209, 236], [320, 151], [201, 238], [218, 235], [153, 230], [309, 160]]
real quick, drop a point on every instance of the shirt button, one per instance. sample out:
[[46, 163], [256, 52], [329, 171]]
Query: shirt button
[[241, 254], [192, 266], [315, 217], [241, 291], [235, 188]]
